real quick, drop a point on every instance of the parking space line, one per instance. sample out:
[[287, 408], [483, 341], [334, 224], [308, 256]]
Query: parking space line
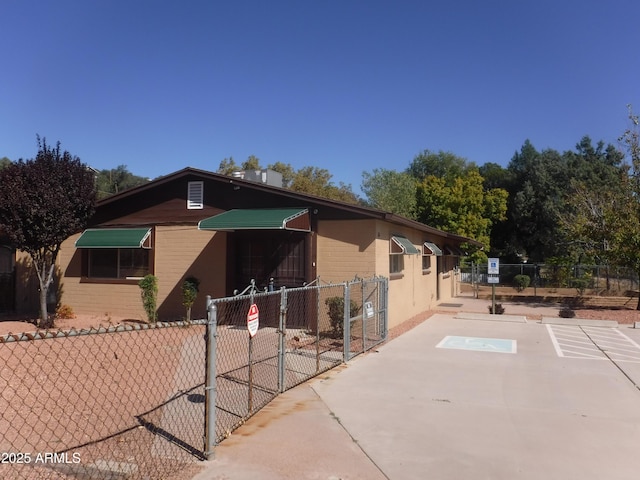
[[593, 343]]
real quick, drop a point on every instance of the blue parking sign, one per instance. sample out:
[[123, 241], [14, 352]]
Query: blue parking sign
[[493, 266]]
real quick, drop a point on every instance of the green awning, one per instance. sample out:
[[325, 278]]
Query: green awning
[[259, 219], [429, 248], [453, 251], [115, 238], [402, 246]]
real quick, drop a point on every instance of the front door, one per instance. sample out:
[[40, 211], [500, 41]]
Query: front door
[[265, 255]]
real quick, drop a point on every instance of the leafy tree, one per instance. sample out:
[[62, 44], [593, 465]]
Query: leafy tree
[[190, 289], [286, 170], [592, 219], [228, 166], [538, 204], [311, 180], [4, 162], [317, 181], [462, 206], [42, 202], [495, 176], [115, 180], [391, 191], [626, 248], [541, 187], [441, 164], [251, 163]]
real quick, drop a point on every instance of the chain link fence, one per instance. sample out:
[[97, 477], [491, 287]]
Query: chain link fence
[[151, 401], [303, 332], [108, 403], [601, 279]]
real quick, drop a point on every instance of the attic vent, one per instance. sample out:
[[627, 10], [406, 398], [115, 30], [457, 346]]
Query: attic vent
[[195, 193]]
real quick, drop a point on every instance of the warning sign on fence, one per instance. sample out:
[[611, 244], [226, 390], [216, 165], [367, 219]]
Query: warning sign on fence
[[253, 319]]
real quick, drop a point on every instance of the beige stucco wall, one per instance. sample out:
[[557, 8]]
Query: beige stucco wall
[[180, 251], [413, 291], [346, 249]]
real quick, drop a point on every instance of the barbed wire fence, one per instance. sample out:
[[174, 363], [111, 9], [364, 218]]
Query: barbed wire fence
[[150, 401]]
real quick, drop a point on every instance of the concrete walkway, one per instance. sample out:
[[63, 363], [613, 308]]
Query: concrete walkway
[[446, 401]]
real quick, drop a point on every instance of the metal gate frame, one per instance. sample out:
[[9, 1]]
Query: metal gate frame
[[296, 342]]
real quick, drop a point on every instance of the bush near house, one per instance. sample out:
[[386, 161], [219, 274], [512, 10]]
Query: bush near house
[[149, 293], [336, 313], [521, 282]]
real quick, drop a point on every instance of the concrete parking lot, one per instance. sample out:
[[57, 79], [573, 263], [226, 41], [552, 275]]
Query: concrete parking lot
[[457, 398]]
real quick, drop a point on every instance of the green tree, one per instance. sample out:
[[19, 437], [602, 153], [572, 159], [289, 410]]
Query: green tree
[[42, 202], [115, 180], [228, 166], [4, 162], [626, 248], [462, 206], [286, 170], [441, 164], [542, 185], [495, 176], [591, 220], [251, 163], [190, 289], [391, 191], [536, 200], [317, 181]]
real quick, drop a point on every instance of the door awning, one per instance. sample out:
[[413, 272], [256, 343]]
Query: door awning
[[429, 248], [115, 238], [402, 246], [296, 219]]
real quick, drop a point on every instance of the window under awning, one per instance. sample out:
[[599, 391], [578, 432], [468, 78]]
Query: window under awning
[[429, 248], [115, 238], [296, 219], [402, 246]]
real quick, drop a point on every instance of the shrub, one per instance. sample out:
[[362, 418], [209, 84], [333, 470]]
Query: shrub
[[582, 283], [190, 289], [520, 282], [65, 311], [567, 312], [336, 313], [149, 292], [499, 309]]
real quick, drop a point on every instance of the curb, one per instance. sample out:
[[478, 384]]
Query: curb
[[580, 322]]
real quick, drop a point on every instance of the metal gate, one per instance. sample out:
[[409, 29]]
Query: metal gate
[[302, 332]]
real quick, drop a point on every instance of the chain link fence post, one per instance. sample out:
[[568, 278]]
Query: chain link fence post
[[346, 323], [210, 385], [282, 331]]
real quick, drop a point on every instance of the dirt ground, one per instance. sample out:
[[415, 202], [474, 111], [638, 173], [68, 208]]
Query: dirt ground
[[15, 324], [626, 314]]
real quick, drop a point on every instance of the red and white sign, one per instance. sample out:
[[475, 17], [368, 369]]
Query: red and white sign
[[253, 319]]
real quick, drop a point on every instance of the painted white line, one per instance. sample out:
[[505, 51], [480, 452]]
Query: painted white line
[[584, 356], [590, 348], [554, 341], [630, 340]]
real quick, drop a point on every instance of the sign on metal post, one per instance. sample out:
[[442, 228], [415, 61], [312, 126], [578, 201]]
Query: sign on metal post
[[253, 319], [493, 277], [493, 267]]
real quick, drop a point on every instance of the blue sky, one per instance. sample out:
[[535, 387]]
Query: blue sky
[[346, 85]]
